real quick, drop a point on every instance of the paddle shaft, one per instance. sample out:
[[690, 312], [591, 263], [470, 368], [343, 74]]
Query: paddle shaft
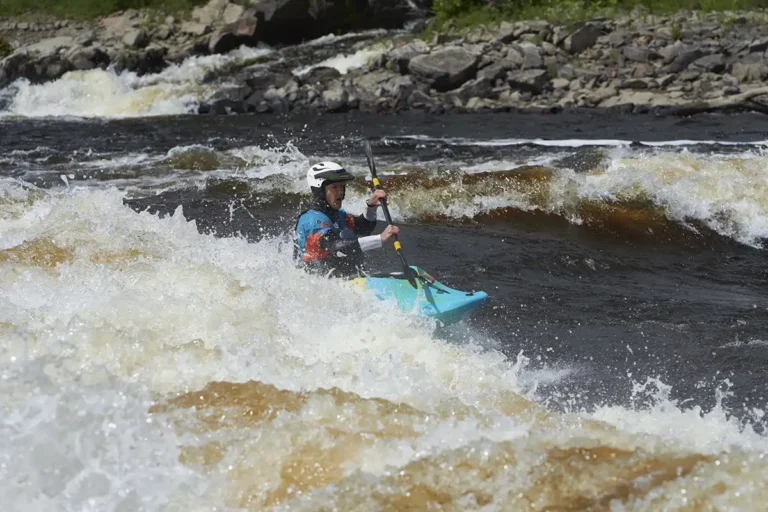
[[387, 216], [377, 186]]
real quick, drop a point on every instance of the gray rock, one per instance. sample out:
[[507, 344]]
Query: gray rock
[[548, 48], [531, 56], [87, 58], [476, 103], [241, 32], [515, 56], [420, 99], [486, 60], [497, 70], [603, 94], [689, 76], [636, 84], [162, 33], [567, 71], [210, 12], [479, 35], [507, 33], [50, 46], [86, 38], [480, 87], [636, 54], [685, 59], [664, 33], [560, 83], [584, 37], [529, 80], [401, 56], [135, 38], [749, 71], [671, 52], [759, 45], [320, 75], [232, 13], [576, 85], [641, 69], [712, 63], [618, 38], [195, 29], [444, 69], [399, 86], [666, 80]]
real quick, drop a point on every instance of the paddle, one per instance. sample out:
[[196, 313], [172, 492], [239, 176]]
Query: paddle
[[409, 272]]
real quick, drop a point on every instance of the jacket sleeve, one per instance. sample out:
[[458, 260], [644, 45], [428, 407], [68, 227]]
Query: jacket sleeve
[[310, 229], [319, 241], [333, 242], [364, 224]]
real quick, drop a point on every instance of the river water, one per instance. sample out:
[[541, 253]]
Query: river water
[[160, 350]]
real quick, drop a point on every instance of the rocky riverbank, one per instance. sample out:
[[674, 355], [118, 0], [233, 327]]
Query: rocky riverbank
[[633, 63]]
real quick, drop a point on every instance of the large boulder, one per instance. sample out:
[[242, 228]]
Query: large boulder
[[294, 21], [211, 12], [582, 38], [37, 62], [244, 31], [529, 80], [148, 61], [685, 59], [444, 69], [497, 70], [90, 57], [400, 57]]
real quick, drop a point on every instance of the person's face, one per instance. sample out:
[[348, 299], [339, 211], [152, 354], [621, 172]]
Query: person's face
[[334, 194]]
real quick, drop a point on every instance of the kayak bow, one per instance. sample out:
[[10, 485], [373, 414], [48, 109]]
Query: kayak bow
[[430, 298]]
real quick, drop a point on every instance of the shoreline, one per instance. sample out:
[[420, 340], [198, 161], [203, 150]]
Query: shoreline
[[665, 65]]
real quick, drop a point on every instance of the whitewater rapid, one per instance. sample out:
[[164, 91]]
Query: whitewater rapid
[[148, 366]]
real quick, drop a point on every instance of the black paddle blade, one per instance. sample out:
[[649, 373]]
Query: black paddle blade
[[369, 157], [409, 272]]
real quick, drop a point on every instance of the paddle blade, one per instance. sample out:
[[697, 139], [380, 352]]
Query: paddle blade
[[371, 164]]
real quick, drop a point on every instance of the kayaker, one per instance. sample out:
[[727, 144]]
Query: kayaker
[[327, 237]]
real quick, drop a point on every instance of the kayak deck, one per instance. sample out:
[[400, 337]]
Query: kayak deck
[[431, 298]]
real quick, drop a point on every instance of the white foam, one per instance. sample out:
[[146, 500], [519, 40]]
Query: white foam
[[92, 449], [690, 427], [572, 143], [103, 93], [143, 307], [727, 192], [345, 62], [333, 38]]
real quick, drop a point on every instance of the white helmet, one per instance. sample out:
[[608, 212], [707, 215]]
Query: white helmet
[[324, 172]]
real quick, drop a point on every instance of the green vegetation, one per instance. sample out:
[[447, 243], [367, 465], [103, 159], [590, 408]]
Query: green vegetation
[[461, 14], [89, 9], [5, 48]]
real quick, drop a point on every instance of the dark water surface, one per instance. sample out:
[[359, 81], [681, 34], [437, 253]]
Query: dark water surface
[[608, 303]]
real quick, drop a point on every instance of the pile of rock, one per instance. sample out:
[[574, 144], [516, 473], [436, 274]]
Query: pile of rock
[[616, 63], [145, 42], [633, 62]]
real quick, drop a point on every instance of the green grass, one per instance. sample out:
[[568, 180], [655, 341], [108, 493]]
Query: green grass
[[89, 9], [463, 14]]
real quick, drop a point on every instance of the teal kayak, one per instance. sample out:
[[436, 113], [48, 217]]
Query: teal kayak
[[430, 298]]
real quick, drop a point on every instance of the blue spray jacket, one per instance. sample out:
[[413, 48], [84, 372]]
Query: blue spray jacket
[[330, 238]]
